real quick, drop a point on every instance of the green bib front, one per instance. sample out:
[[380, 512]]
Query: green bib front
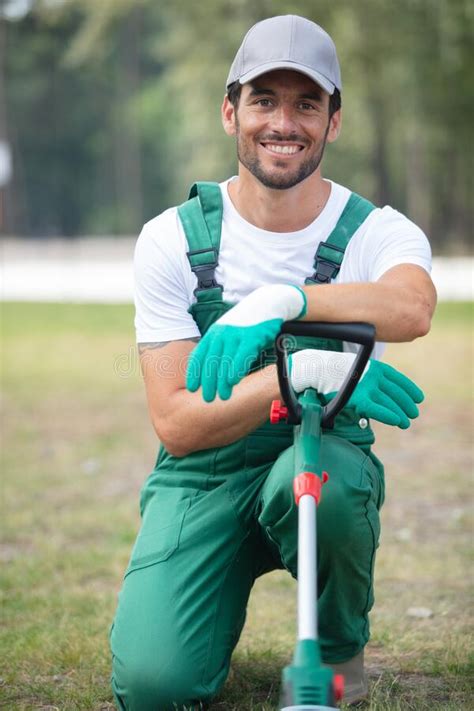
[[201, 217]]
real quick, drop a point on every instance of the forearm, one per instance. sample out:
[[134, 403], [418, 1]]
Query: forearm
[[399, 314], [192, 424]]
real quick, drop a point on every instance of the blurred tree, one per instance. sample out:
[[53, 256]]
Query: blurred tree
[[79, 155], [129, 93], [53, 114]]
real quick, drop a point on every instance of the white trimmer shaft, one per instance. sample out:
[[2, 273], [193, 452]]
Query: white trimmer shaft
[[307, 582], [307, 573]]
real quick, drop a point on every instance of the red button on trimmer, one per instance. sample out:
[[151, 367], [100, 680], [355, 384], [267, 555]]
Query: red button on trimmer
[[278, 412], [338, 686]]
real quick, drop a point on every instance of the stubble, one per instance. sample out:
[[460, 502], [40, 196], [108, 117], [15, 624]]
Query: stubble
[[284, 180]]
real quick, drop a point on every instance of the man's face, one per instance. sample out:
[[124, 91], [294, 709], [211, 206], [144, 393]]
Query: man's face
[[281, 125]]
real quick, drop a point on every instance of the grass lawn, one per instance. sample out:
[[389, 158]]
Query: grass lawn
[[77, 446]]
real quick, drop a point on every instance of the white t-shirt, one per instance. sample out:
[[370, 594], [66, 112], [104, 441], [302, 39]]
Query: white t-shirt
[[250, 257]]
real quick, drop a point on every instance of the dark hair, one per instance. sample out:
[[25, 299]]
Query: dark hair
[[335, 102], [234, 91]]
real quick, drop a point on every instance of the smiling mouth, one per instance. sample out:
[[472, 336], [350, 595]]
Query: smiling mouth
[[282, 150]]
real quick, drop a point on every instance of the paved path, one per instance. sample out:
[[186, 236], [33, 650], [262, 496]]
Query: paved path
[[99, 270]]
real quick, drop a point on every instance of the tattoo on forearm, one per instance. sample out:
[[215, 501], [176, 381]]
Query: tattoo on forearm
[[142, 347]]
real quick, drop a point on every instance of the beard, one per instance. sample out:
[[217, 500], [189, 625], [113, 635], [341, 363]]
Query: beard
[[276, 179]]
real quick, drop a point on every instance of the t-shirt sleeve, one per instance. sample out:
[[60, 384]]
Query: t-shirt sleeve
[[394, 239], [163, 283]]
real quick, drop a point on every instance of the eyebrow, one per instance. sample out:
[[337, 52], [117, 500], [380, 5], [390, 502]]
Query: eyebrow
[[256, 91], [312, 95]]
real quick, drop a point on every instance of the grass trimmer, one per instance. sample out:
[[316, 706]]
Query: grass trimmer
[[308, 685]]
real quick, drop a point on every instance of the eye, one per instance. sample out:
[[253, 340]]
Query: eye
[[307, 107], [264, 102]]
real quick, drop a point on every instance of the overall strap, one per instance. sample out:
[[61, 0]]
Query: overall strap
[[329, 255], [201, 217]]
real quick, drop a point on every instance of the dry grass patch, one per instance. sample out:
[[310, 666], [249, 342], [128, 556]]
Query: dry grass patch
[[78, 447]]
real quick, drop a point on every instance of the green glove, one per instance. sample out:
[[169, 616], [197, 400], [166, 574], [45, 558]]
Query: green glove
[[386, 395], [383, 393], [226, 352]]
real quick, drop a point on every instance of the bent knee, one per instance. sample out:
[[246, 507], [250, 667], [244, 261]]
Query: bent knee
[[347, 515], [146, 685]]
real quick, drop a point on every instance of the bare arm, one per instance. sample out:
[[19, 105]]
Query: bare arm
[[400, 304], [182, 420]]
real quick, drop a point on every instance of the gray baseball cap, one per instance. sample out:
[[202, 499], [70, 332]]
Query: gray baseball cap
[[287, 42]]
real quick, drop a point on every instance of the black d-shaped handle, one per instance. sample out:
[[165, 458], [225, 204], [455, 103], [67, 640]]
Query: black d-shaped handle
[[361, 333]]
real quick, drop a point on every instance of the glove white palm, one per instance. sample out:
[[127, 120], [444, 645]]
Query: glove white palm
[[382, 393], [226, 352]]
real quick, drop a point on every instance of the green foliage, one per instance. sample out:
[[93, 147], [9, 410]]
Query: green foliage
[[113, 108]]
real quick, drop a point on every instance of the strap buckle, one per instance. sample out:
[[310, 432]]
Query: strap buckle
[[326, 269], [205, 272]]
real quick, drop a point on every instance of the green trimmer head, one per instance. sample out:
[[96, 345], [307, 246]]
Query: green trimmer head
[[307, 684]]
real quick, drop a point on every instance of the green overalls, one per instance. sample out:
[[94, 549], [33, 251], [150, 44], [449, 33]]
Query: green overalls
[[217, 519]]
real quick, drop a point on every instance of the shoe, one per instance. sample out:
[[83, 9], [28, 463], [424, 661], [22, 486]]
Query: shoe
[[356, 688]]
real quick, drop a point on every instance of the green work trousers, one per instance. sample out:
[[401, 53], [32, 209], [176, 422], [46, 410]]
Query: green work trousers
[[212, 523]]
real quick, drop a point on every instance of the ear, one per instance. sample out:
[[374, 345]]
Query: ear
[[228, 117], [334, 126]]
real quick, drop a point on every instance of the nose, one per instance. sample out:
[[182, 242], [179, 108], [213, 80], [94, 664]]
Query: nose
[[284, 120]]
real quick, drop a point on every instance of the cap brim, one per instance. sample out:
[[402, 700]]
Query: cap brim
[[294, 66]]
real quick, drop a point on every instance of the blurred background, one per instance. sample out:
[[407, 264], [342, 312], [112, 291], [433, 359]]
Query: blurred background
[[109, 110]]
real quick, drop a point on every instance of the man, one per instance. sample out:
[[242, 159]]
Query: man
[[218, 509]]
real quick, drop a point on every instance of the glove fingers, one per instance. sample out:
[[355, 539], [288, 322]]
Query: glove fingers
[[235, 372], [243, 361], [401, 397], [210, 373], [224, 356], [414, 392], [224, 389], [387, 403], [227, 367], [256, 339], [379, 413], [195, 362]]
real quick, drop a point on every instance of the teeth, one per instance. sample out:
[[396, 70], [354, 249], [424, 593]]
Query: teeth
[[282, 149]]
